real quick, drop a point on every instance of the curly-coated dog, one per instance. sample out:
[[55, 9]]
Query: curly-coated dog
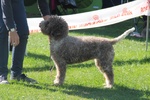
[[68, 49]]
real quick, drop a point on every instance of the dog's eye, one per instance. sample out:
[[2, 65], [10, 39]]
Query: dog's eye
[[46, 23]]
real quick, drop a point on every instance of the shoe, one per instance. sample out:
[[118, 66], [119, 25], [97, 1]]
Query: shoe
[[3, 80], [136, 34], [24, 78]]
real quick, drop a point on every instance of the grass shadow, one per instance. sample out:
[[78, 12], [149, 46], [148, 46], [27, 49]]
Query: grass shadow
[[39, 56], [87, 65], [39, 68], [116, 62], [131, 61], [80, 65]]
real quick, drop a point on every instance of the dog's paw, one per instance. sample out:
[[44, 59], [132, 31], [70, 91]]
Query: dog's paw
[[57, 82], [108, 86]]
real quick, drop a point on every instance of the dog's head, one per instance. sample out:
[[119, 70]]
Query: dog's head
[[55, 27]]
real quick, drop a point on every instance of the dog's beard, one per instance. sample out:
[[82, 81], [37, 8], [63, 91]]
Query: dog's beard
[[45, 30]]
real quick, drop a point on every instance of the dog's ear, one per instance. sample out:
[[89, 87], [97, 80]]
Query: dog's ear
[[57, 30], [56, 27]]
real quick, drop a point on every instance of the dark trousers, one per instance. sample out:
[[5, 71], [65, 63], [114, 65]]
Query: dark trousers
[[19, 51], [110, 3]]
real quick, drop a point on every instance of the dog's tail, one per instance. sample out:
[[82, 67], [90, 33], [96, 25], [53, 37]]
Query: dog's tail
[[122, 36]]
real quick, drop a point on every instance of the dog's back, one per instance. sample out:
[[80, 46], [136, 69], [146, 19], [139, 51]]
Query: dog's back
[[81, 48]]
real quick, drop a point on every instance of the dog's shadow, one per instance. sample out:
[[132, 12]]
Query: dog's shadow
[[93, 93], [117, 93]]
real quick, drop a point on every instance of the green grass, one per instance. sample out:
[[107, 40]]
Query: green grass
[[83, 81]]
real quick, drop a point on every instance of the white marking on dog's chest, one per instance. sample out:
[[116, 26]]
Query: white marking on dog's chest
[[56, 44]]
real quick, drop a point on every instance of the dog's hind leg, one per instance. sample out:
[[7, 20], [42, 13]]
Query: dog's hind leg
[[106, 68]]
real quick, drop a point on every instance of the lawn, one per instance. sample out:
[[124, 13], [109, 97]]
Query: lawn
[[83, 81]]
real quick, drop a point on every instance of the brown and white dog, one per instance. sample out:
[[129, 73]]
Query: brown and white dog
[[67, 49]]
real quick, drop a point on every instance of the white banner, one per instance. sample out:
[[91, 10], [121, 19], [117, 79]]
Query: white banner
[[100, 17]]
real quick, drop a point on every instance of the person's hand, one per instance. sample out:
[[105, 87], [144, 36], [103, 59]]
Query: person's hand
[[46, 17], [14, 38]]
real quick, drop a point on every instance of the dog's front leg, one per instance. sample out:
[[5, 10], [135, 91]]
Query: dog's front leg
[[60, 76], [60, 72]]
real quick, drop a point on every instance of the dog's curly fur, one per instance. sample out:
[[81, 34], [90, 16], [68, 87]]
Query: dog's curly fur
[[68, 49]]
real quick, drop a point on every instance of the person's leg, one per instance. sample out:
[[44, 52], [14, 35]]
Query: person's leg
[[22, 29], [3, 49], [19, 51], [143, 31], [145, 21]]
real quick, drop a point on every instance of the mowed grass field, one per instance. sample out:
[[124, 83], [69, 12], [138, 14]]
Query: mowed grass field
[[83, 80]]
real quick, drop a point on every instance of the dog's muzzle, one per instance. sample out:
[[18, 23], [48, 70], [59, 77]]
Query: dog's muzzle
[[41, 23]]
